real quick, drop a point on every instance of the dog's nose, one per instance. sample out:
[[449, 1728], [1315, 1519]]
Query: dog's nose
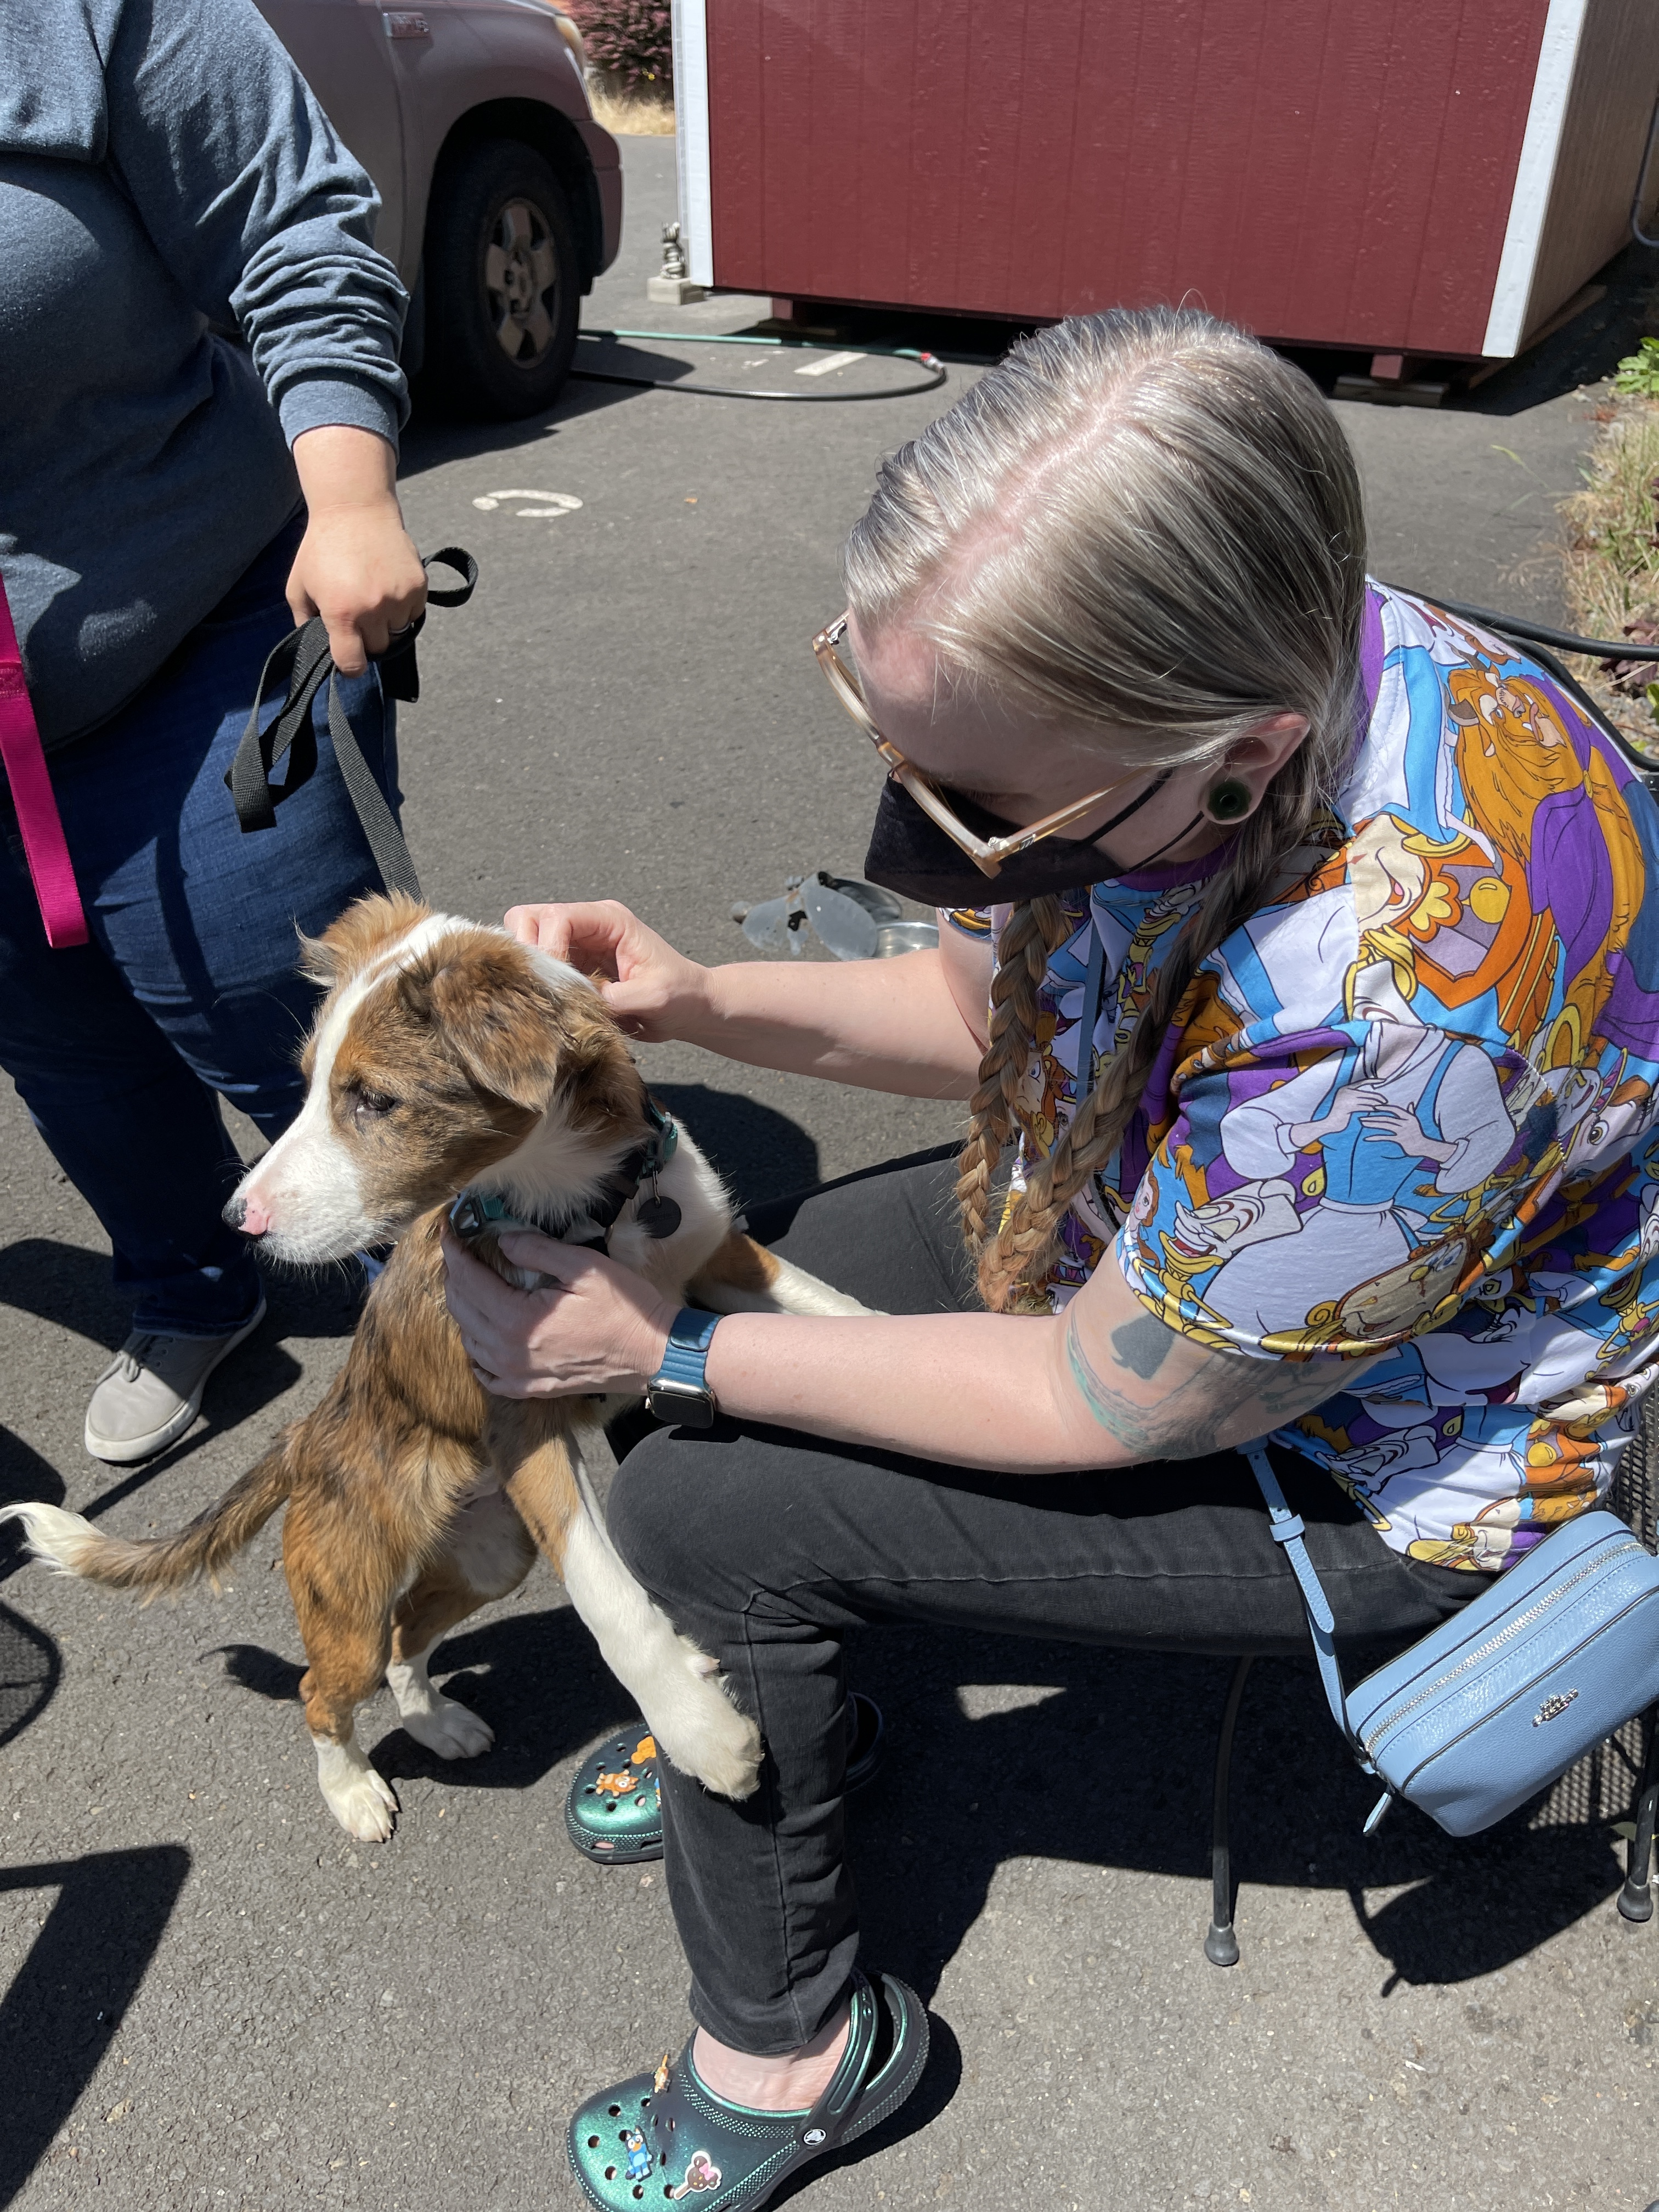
[[247, 1215], [233, 1211]]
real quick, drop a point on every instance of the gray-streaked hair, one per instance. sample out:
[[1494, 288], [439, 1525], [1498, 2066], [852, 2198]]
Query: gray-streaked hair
[[1143, 523]]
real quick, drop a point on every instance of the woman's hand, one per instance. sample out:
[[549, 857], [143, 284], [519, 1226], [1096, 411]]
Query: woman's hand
[[357, 566], [597, 1328], [654, 994]]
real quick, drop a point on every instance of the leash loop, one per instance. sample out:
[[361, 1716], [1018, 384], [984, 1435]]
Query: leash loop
[[302, 664]]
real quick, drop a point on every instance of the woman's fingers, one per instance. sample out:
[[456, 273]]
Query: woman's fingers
[[588, 935], [651, 990]]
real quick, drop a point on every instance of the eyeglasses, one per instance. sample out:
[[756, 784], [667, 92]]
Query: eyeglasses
[[987, 854]]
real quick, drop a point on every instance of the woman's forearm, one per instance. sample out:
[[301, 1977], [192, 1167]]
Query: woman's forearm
[[878, 1025], [982, 1390]]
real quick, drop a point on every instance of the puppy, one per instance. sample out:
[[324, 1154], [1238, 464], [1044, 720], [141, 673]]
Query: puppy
[[448, 1059]]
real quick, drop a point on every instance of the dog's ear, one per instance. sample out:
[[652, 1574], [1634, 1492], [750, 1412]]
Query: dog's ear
[[368, 927], [493, 1014]]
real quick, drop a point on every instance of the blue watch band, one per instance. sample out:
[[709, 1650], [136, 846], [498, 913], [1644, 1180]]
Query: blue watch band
[[679, 1390]]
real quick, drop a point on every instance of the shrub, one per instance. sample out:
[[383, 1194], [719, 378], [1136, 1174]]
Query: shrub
[[631, 42]]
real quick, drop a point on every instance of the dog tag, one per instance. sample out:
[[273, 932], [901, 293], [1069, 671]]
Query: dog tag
[[658, 1217]]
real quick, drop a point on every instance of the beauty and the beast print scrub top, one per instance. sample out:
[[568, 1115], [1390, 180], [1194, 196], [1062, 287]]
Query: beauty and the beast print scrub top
[[1410, 1106]]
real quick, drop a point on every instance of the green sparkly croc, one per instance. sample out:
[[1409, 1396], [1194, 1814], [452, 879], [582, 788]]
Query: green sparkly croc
[[614, 1811], [665, 2138]]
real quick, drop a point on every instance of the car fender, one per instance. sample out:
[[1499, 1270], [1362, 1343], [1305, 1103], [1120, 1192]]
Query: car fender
[[499, 67]]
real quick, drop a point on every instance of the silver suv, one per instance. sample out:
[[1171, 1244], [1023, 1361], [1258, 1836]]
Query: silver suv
[[502, 196]]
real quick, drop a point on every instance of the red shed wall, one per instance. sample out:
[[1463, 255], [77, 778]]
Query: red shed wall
[[1323, 170]]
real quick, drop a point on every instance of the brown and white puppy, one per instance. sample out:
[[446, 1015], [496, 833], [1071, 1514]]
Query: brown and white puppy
[[445, 1056]]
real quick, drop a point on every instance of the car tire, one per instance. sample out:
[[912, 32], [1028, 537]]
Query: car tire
[[503, 283]]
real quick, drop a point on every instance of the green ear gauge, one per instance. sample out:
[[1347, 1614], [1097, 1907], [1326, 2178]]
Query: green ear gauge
[[1228, 800]]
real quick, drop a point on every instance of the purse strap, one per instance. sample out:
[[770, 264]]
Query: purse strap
[[1289, 1530], [303, 660]]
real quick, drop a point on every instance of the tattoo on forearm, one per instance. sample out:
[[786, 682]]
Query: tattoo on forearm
[[1189, 1418]]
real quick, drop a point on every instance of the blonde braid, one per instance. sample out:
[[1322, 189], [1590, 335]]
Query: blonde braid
[[1020, 1256], [1032, 933]]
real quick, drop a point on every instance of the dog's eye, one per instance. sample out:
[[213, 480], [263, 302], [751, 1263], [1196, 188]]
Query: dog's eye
[[368, 1105]]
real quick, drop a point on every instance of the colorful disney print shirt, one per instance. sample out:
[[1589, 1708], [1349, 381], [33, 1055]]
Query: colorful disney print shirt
[[1409, 1107]]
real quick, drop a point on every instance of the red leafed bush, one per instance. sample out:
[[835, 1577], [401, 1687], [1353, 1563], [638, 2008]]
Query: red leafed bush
[[631, 41]]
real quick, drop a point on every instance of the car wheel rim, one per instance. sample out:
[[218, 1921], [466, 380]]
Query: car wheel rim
[[520, 276]]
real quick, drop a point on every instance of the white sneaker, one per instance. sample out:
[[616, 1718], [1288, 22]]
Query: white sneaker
[[151, 1391]]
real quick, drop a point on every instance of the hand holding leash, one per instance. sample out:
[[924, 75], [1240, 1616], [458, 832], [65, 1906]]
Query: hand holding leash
[[305, 660], [356, 568]]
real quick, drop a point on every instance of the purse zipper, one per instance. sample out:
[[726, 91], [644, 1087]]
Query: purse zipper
[[1510, 1628], [1527, 1689]]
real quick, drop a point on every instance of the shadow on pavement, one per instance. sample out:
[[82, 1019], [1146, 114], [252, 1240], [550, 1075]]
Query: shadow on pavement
[[29, 1671], [323, 1304], [1113, 1767], [66, 1286], [761, 1153], [434, 438], [62, 2011], [24, 1476], [937, 2086], [536, 1678]]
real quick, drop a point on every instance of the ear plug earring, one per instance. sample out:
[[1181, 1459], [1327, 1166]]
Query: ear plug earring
[[1228, 800]]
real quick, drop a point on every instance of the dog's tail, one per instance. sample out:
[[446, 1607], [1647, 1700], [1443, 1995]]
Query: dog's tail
[[74, 1547]]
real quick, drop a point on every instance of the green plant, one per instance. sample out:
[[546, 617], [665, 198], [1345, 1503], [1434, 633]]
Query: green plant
[[1638, 372]]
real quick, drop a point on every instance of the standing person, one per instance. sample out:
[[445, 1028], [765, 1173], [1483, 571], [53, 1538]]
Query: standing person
[[198, 346], [1322, 1011]]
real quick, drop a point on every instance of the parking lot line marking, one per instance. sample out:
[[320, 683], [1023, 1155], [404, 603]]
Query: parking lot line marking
[[831, 361]]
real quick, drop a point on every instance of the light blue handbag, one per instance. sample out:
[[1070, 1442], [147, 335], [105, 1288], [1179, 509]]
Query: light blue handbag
[[1498, 1701]]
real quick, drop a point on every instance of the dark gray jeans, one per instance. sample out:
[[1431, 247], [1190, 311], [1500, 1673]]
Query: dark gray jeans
[[766, 1544]]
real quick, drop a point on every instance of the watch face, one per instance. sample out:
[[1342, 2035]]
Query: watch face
[[682, 1401]]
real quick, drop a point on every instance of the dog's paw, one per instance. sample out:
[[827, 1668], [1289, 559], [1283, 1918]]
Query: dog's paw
[[706, 1735], [450, 1730], [727, 1756], [360, 1799]]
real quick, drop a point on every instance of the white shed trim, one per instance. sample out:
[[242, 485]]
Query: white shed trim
[[1557, 57], [691, 132]]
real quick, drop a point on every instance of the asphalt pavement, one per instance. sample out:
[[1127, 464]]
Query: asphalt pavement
[[212, 1999]]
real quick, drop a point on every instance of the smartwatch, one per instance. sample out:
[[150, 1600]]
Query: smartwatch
[[679, 1390]]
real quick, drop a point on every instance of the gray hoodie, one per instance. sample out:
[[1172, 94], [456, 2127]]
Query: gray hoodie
[[166, 182]]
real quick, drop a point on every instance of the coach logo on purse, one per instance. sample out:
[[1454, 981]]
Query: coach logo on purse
[[1553, 1706]]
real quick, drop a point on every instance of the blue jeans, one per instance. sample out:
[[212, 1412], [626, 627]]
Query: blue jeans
[[189, 985]]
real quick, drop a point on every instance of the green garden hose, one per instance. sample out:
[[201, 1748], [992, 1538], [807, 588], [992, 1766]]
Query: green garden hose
[[936, 371]]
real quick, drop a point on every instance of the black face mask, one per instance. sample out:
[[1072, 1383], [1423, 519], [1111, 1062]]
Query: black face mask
[[913, 856]]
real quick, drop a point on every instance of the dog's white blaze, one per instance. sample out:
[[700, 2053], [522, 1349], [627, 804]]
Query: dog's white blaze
[[308, 1182], [558, 973], [696, 1724]]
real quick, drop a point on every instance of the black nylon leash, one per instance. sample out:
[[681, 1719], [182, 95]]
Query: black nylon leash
[[303, 661]]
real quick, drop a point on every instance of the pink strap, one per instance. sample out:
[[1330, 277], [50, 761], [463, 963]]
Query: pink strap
[[49, 871]]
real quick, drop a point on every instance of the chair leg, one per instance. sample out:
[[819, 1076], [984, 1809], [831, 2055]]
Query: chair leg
[[1636, 1899], [1221, 1945]]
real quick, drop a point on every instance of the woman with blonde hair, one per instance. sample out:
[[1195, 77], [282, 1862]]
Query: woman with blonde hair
[[1109, 625]]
